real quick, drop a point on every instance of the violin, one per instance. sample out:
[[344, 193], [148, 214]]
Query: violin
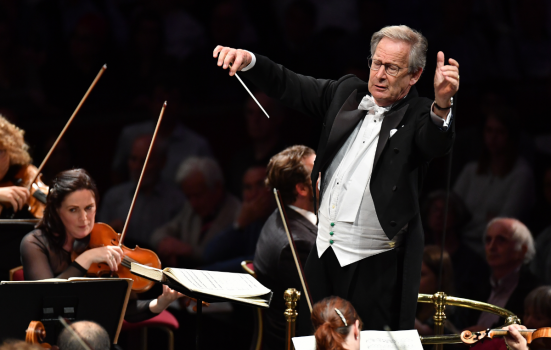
[[103, 235], [538, 338], [28, 177], [36, 334]]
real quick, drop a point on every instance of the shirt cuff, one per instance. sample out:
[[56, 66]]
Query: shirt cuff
[[251, 65], [79, 267], [438, 121]]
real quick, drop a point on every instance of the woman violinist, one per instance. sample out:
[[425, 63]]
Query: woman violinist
[[13, 157], [69, 218]]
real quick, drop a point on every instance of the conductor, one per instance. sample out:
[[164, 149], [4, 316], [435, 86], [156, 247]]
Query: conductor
[[377, 140]]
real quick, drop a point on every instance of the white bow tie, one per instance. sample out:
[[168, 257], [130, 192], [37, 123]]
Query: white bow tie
[[369, 104]]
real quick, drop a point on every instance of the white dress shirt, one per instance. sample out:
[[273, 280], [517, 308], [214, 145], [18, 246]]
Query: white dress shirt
[[347, 219]]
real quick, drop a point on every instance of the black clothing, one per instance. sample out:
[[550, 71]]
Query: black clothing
[[400, 162], [41, 261], [275, 268], [371, 285], [527, 282]]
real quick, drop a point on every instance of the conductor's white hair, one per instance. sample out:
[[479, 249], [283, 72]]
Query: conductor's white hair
[[418, 43], [521, 235], [205, 165]]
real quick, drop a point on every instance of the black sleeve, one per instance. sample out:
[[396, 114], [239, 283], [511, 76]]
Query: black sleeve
[[305, 94], [36, 262], [138, 310], [288, 269], [430, 140]]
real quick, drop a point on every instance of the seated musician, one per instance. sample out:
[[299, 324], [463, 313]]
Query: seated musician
[[69, 217], [13, 155], [288, 171], [338, 326]]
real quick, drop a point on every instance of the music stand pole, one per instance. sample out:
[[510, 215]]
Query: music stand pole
[[198, 329]]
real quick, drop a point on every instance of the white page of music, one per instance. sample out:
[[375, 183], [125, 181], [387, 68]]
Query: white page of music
[[373, 340]]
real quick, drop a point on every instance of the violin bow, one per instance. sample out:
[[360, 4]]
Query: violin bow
[[98, 76], [125, 228], [293, 248]]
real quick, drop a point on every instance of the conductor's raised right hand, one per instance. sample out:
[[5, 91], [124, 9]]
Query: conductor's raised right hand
[[237, 58]]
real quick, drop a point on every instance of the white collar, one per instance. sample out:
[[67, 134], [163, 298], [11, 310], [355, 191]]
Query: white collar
[[306, 213]]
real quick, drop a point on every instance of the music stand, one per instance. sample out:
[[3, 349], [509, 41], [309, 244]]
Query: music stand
[[102, 300]]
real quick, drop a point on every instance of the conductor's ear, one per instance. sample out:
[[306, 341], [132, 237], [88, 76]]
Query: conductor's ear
[[415, 76]]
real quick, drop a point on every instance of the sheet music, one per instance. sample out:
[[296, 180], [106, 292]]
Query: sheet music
[[373, 340], [223, 283]]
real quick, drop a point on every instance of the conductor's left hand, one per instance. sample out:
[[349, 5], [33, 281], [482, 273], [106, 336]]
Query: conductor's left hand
[[446, 80], [238, 58]]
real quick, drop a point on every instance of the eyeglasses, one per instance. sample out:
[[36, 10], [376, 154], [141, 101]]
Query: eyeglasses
[[390, 69]]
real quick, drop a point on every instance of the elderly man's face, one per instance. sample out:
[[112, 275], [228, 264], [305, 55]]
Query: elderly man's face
[[385, 88], [501, 248], [203, 199]]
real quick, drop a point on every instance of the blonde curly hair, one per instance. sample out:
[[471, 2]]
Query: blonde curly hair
[[11, 139]]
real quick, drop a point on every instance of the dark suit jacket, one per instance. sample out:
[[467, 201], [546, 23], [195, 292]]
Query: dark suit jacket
[[275, 267], [400, 162], [526, 283]]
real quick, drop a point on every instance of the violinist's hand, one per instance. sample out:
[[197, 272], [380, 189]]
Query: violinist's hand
[[446, 83], [14, 195], [238, 58], [111, 255], [514, 339], [165, 299]]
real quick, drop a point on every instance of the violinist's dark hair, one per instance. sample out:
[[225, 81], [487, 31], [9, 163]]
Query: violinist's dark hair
[[331, 332], [65, 183]]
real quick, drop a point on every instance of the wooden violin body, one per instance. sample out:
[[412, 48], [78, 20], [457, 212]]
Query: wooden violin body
[[38, 189], [103, 235], [538, 338]]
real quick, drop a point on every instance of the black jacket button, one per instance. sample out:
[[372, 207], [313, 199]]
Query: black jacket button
[[396, 150], [394, 188], [393, 223]]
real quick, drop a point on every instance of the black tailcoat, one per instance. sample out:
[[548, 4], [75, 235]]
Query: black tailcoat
[[400, 162]]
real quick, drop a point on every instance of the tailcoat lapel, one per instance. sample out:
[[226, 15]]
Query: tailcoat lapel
[[390, 121]]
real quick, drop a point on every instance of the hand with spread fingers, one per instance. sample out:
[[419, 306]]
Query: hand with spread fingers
[[237, 58], [446, 83]]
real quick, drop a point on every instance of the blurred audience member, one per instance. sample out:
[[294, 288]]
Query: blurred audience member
[[509, 248], [541, 266], [288, 171], [266, 139], [430, 270], [464, 260], [537, 308], [541, 218], [230, 25], [209, 210], [238, 242], [157, 203], [94, 335], [182, 142], [501, 183]]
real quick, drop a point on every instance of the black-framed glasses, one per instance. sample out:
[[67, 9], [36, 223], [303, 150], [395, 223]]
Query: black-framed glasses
[[390, 69]]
